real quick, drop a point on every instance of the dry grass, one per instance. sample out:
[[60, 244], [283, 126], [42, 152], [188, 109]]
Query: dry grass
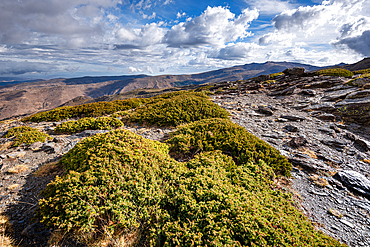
[[13, 186], [366, 161], [5, 241], [5, 145], [310, 153], [50, 169], [319, 181], [17, 169]]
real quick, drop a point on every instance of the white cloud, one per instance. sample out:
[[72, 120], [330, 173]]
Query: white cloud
[[149, 17], [359, 44], [270, 7], [179, 15], [215, 26], [235, 51]]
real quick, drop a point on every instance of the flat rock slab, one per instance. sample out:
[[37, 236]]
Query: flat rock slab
[[355, 181]]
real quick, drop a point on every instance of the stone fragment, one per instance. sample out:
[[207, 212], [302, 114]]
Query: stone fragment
[[337, 95], [16, 154], [297, 142], [298, 71], [88, 133], [366, 86], [334, 143], [35, 146], [335, 212], [363, 143], [291, 128], [310, 164], [326, 117], [265, 110], [292, 118], [308, 92], [347, 223], [355, 181], [324, 106]]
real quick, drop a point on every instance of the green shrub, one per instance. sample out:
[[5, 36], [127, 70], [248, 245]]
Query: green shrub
[[230, 138], [87, 110], [363, 71], [114, 183], [118, 183], [335, 72], [27, 135], [272, 76], [215, 203], [121, 114], [101, 123], [176, 108]]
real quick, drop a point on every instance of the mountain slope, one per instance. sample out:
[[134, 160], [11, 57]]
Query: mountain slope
[[30, 97]]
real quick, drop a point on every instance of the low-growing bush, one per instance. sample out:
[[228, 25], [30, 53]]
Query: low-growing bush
[[176, 108], [363, 71], [272, 76], [27, 135], [87, 110], [118, 183], [101, 123], [335, 72], [216, 203], [114, 184], [232, 139]]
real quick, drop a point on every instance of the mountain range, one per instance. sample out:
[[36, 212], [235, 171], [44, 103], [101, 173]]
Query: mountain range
[[30, 97]]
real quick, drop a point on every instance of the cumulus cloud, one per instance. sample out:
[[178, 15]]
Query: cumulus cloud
[[360, 44], [280, 38], [235, 51], [215, 26]]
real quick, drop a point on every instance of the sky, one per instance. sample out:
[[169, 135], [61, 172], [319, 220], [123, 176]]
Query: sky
[[72, 38]]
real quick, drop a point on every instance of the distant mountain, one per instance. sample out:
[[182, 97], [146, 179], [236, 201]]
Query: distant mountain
[[363, 64], [31, 97]]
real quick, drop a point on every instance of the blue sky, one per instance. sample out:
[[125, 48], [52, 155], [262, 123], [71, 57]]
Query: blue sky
[[69, 38]]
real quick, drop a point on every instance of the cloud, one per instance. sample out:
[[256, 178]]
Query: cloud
[[215, 26], [280, 38], [132, 70], [235, 51], [270, 7], [359, 44], [179, 15], [149, 17], [8, 67]]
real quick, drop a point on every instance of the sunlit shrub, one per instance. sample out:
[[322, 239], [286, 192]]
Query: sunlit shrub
[[27, 135], [335, 72], [101, 123]]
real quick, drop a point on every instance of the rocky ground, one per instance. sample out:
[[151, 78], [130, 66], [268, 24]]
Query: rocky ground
[[310, 119]]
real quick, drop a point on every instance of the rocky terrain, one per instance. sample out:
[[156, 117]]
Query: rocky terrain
[[320, 123]]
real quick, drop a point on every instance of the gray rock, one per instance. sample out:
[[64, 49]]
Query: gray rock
[[298, 71], [340, 94], [308, 92], [334, 143], [16, 154], [35, 146], [358, 94], [326, 117], [324, 106], [360, 82], [355, 181], [292, 118], [291, 128], [347, 223], [265, 110], [88, 133], [354, 110], [363, 143], [297, 142]]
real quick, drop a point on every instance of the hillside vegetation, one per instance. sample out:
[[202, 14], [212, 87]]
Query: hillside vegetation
[[121, 189]]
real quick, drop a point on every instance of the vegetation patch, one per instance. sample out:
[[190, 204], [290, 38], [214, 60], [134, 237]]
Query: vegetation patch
[[100, 123], [119, 183], [87, 110], [175, 108], [272, 76], [25, 134], [363, 71], [335, 72], [230, 138]]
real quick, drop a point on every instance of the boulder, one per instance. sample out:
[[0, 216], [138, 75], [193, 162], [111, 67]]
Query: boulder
[[354, 181], [360, 82], [298, 71]]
